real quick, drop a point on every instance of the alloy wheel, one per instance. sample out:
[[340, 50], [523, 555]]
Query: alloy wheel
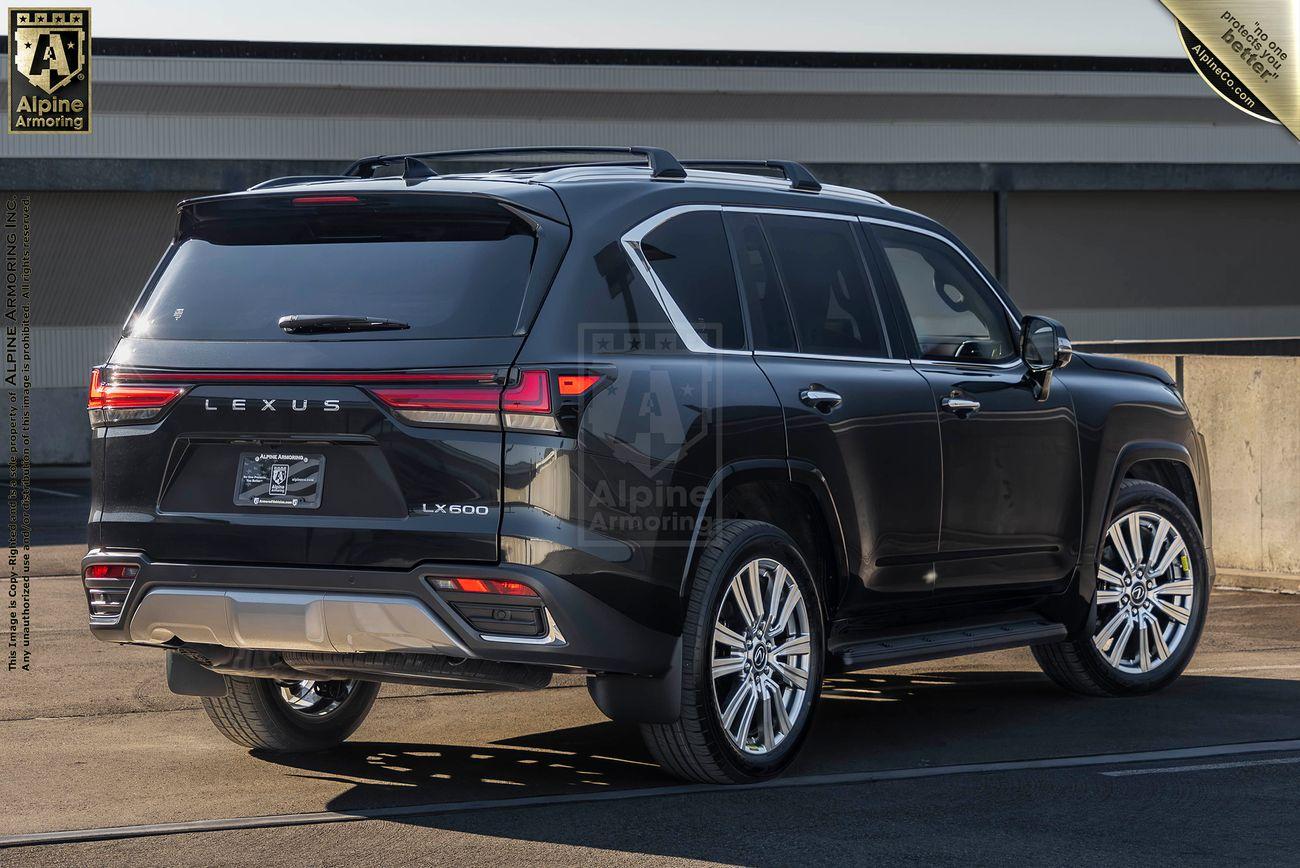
[[315, 698], [1145, 590], [761, 657]]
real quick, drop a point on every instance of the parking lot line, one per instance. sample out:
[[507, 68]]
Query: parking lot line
[[320, 817], [1204, 767]]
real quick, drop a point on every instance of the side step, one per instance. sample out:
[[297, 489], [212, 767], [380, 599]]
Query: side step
[[949, 642]]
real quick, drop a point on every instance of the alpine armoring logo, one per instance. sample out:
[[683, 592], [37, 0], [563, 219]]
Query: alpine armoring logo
[[49, 82], [1218, 76]]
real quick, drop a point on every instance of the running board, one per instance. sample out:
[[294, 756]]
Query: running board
[[950, 642]]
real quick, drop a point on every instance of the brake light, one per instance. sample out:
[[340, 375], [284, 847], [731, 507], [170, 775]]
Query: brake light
[[532, 394], [480, 404], [504, 587], [480, 399], [324, 200], [109, 402]]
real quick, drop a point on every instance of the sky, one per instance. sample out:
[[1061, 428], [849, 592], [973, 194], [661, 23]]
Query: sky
[[1134, 28]]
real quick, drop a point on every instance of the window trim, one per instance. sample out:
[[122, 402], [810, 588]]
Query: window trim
[[1010, 315], [686, 333], [632, 239]]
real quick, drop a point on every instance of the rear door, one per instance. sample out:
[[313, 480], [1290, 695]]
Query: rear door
[[373, 445], [1012, 497], [855, 415]]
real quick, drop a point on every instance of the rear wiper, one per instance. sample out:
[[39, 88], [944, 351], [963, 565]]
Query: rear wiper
[[320, 323]]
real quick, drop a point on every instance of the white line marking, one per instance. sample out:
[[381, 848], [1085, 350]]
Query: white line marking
[[318, 817], [1258, 667], [1173, 770], [58, 493]]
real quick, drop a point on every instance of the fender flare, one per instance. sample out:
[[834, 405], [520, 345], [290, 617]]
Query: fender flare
[[1075, 609], [801, 473], [1144, 450]]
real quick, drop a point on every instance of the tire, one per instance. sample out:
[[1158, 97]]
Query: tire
[[1079, 664], [697, 746], [255, 713]]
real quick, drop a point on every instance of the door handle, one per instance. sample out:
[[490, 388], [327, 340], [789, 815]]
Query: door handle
[[960, 406], [821, 399]]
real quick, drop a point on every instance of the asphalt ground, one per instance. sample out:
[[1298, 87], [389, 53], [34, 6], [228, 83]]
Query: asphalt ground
[[975, 760]]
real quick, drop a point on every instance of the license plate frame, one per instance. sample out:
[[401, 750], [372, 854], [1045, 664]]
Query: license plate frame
[[280, 480]]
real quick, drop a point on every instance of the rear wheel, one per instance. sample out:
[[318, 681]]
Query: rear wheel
[[290, 716], [1150, 600], [752, 652]]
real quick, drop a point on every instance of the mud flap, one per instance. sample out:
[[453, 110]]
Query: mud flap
[[636, 699], [188, 678]]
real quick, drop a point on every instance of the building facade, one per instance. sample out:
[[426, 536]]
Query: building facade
[[1121, 196]]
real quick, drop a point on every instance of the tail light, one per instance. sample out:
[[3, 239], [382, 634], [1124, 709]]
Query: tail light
[[107, 587], [527, 402], [110, 402]]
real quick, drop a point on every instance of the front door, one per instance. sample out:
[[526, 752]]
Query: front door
[[856, 415], [1012, 496]]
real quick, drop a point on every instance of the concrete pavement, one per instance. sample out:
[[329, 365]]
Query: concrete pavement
[[92, 739]]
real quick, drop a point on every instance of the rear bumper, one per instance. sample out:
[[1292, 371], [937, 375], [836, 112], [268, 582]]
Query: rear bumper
[[357, 611]]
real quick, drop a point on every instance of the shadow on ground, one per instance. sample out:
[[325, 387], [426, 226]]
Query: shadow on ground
[[867, 721]]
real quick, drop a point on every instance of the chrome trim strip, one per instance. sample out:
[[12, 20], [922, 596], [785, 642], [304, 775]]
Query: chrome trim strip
[[632, 243], [876, 360], [552, 636], [792, 212], [290, 621]]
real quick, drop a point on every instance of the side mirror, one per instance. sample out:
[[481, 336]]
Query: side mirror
[[1044, 344], [1045, 347]]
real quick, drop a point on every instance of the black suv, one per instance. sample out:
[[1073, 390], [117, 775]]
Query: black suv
[[704, 431]]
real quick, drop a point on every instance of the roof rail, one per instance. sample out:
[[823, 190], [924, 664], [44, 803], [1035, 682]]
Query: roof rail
[[797, 174], [662, 163], [288, 180]]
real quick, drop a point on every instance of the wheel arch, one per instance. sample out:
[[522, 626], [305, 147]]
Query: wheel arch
[[1164, 462], [792, 495]]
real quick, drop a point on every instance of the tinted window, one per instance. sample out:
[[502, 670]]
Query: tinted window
[[447, 276], [690, 255], [834, 308], [952, 309], [769, 318]]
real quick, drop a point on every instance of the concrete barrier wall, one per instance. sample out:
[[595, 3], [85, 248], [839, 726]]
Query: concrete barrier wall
[[1247, 408]]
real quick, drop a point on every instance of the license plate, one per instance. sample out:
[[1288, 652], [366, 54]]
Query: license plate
[[289, 480]]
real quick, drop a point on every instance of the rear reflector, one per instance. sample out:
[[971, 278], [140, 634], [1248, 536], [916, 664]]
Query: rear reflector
[[112, 571], [107, 587], [109, 402], [504, 587]]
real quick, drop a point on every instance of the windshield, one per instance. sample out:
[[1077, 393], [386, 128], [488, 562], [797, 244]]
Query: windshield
[[459, 275]]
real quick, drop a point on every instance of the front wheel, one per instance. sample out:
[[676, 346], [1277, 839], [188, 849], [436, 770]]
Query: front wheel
[[1150, 601], [290, 716], [752, 648]]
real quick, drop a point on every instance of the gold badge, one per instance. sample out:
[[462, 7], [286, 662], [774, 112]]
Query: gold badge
[[49, 82], [1245, 50]]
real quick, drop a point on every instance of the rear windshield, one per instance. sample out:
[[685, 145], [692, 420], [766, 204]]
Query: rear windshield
[[446, 271]]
